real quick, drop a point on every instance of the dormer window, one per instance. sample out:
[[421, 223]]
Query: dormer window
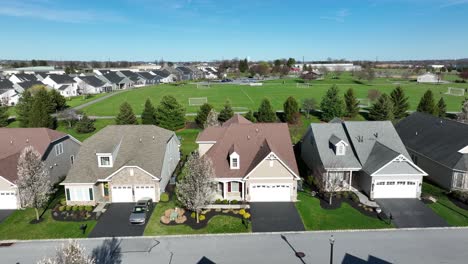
[[234, 161], [105, 161], [338, 145]]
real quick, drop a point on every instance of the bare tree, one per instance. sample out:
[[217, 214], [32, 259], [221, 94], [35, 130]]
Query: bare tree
[[212, 119], [196, 190], [308, 105], [463, 115], [373, 94], [85, 89], [33, 182], [71, 253], [70, 115]]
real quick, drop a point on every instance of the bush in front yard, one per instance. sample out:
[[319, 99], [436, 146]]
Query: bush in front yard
[[89, 208], [75, 208], [63, 201], [61, 208], [225, 202], [202, 217], [81, 208], [218, 201], [246, 216], [234, 202], [164, 197], [68, 207], [460, 196], [193, 215], [242, 211]]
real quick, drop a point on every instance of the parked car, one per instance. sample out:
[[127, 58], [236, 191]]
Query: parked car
[[141, 211]]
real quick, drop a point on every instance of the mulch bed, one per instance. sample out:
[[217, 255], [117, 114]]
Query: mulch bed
[[336, 203], [458, 203], [35, 221], [72, 216], [192, 222]]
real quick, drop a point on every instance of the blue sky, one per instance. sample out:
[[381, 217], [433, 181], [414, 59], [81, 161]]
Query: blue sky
[[215, 29]]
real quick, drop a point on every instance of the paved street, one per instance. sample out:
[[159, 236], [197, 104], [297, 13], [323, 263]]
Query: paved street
[[397, 246]]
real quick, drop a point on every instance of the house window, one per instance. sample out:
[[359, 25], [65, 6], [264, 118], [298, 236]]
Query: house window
[[458, 179], [67, 194], [340, 150], [235, 163], [410, 183], [400, 183], [235, 186], [59, 149], [91, 194], [105, 161], [380, 183], [391, 183]]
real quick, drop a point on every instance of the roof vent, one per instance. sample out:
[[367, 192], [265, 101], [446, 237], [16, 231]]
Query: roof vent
[[11, 142], [416, 133], [376, 135], [27, 140], [360, 139], [248, 137], [256, 130], [153, 137], [140, 140]]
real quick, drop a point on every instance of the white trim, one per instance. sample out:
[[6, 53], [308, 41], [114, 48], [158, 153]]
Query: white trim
[[124, 167], [343, 169], [76, 183], [205, 142], [342, 141], [8, 181], [228, 179], [401, 157], [271, 155]]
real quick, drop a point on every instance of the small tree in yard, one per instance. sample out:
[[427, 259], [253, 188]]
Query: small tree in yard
[[148, 117], [85, 125], [195, 191], [308, 105], [330, 183], [291, 109], [170, 114], [250, 116], [463, 115], [400, 102], [373, 94], [71, 253], [69, 115], [352, 103], [202, 114], [427, 104], [226, 113], [212, 119], [33, 182], [3, 115], [265, 112], [332, 105], [126, 115], [441, 108], [382, 109]]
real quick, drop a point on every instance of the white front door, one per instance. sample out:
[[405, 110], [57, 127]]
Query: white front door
[[396, 189], [145, 191], [8, 200], [270, 192], [122, 194]]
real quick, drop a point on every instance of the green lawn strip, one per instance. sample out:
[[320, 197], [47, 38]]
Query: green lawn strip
[[445, 208], [188, 137], [216, 225], [345, 217], [78, 100]]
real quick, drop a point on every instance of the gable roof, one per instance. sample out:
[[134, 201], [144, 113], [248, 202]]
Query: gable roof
[[28, 84], [14, 140], [138, 145], [253, 142], [236, 119], [436, 138], [92, 81], [113, 77], [378, 157], [149, 76], [184, 70], [6, 84], [25, 77], [61, 78]]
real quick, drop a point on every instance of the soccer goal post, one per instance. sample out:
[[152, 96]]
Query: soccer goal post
[[203, 85], [197, 101], [456, 91], [303, 85]]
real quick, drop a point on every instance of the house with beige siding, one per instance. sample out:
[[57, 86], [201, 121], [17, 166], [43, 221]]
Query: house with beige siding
[[122, 164], [253, 162]]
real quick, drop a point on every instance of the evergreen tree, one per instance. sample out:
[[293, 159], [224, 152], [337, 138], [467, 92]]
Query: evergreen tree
[[265, 113], [382, 109], [170, 114], [352, 103], [441, 109], [3, 115], [427, 104], [243, 65], [39, 115], [85, 125], [23, 108], [250, 116], [57, 101], [291, 109], [148, 117], [226, 113], [332, 105], [400, 102], [126, 115], [202, 114]]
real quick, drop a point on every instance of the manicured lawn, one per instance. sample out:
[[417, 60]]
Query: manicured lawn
[[78, 100], [216, 225], [345, 217], [188, 140], [453, 214], [99, 124], [246, 97]]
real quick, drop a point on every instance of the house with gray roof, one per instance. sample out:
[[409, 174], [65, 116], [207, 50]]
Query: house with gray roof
[[92, 85], [150, 78], [166, 76], [122, 164], [439, 146], [22, 77], [8, 95], [23, 86], [63, 83], [118, 82], [138, 81], [366, 156]]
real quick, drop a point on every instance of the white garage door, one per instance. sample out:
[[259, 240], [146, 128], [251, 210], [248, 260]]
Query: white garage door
[[122, 194], [396, 189], [270, 192], [8, 200], [145, 191]]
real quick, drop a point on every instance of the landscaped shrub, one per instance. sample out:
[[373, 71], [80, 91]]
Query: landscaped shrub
[[61, 208], [338, 196], [193, 215], [89, 208], [75, 208], [68, 207], [345, 195], [218, 201], [81, 208], [460, 196], [354, 197], [242, 211], [63, 201], [246, 216], [225, 202], [164, 197], [234, 202], [202, 217]]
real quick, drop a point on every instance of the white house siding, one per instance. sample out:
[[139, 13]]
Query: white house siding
[[437, 173], [6, 186], [10, 97], [59, 165]]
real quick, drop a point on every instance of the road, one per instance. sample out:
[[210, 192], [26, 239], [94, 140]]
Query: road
[[396, 246]]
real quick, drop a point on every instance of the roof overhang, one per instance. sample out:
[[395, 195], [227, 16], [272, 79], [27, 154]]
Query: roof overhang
[[273, 156], [125, 167], [400, 157]]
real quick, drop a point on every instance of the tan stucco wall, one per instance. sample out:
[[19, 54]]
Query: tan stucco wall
[[264, 170], [203, 148]]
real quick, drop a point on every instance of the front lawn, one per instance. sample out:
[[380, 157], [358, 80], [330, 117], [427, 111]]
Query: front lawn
[[345, 217], [188, 137], [453, 214], [217, 225], [79, 100]]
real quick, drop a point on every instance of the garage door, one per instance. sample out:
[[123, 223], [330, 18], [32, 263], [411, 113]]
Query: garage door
[[145, 191], [270, 192], [122, 194], [396, 189], [8, 200]]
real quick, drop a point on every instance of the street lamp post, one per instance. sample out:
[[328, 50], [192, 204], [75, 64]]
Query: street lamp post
[[332, 242]]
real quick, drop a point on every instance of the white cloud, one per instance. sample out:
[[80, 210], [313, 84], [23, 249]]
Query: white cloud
[[338, 16]]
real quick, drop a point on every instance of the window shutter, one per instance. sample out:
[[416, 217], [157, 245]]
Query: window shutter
[[229, 187], [68, 194], [91, 198], [240, 187]]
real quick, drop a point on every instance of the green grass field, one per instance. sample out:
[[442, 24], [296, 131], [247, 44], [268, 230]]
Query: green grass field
[[246, 97]]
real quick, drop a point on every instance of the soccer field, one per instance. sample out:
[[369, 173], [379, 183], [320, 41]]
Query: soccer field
[[245, 97]]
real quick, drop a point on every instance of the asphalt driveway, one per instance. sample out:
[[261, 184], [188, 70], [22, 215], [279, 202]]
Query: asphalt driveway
[[4, 214], [275, 217], [114, 222], [411, 213]]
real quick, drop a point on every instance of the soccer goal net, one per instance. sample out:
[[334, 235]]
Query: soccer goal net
[[364, 102], [203, 86], [197, 101], [456, 91], [303, 85]]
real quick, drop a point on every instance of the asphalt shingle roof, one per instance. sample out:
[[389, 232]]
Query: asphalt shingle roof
[[92, 80], [162, 73], [6, 84], [113, 77], [26, 77], [28, 84], [61, 78]]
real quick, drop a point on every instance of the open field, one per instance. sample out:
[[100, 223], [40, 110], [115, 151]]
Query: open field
[[247, 97]]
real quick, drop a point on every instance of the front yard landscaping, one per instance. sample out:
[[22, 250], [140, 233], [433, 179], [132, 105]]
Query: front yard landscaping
[[444, 207], [344, 217]]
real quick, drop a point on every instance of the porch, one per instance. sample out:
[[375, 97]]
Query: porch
[[338, 180], [230, 190]]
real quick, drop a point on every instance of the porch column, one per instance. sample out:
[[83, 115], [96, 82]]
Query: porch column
[[242, 190], [224, 189], [350, 179]]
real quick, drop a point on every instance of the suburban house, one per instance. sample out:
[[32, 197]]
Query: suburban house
[[439, 146], [166, 76], [22, 77], [62, 83], [23, 86], [209, 72], [366, 156], [118, 82], [41, 75], [253, 162], [429, 78], [8, 95], [186, 73], [138, 81], [150, 78], [58, 151], [122, 164], [92, 85]]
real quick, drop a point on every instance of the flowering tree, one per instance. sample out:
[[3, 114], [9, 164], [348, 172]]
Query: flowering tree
[[33, 182], [196, 190], [463, 115], [71, 253]]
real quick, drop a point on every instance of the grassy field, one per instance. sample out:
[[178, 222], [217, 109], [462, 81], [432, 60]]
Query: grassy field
[[78, 100], [246, 97], [345, 217]]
